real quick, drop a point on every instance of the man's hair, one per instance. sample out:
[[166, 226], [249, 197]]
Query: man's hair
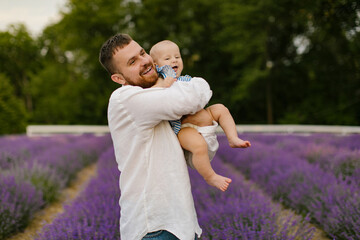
[[109, 48]]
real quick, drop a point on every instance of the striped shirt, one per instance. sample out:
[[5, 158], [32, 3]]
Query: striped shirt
[[167, 71]]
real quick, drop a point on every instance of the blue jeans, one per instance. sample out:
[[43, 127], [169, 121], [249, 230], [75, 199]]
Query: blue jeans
[[162, 235]]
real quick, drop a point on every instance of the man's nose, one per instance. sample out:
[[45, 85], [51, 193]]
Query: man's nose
[[145, 60]]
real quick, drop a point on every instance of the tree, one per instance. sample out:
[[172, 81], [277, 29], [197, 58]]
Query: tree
[[58, 74], [71, 47], [268, 61], [19, 57], [13, 115], [331, 64], [195, 27]]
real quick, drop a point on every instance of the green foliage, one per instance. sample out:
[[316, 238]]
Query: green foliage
[[247, 50], [72, 70], [19, 57], [13, 116], [58, 95], [286, 61]]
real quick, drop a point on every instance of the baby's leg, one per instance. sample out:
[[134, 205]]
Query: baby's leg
[[191, 140], [201, 118], [221, 114]]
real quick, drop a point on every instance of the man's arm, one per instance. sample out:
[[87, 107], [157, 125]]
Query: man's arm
[[150, 106], [164, 83]]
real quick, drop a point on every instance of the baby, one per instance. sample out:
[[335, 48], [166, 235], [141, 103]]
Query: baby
[[197, 134]]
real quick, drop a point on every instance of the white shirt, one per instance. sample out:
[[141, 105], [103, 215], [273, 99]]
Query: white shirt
[[154, 180]]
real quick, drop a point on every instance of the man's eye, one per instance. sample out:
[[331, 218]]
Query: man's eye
[[132, 62]]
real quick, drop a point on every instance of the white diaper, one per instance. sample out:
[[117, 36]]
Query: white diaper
[[209, 134]]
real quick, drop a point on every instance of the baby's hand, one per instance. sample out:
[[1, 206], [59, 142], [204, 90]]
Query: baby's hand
[[166, 71]]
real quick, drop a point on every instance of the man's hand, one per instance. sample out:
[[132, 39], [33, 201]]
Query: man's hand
[[164, 83]]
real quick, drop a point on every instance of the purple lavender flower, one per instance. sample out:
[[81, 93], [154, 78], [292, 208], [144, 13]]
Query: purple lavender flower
[[316, 175], [95, 213], [48, 166], [242, 212], [18, 203], [308, 185]]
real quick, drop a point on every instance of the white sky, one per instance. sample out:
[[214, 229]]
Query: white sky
[[35, 14]]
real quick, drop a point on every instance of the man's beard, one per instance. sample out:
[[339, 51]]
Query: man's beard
[[148, 84], [145, 81]]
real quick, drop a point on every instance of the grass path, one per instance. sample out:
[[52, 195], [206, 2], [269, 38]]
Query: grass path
[[285, 213], [48, 214]]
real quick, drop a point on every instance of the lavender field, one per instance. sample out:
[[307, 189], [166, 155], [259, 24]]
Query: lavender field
[[33, 171], [284, 187]]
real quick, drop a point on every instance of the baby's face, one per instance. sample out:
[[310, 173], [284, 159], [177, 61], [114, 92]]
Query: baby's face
[[169, 54]]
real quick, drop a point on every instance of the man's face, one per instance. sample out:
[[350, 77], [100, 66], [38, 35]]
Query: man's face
[[134, 66]]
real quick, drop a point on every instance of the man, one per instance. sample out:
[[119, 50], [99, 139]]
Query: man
[[156, 200]]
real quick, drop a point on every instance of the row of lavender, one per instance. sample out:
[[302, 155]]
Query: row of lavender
[[95, 213], [241, 213], [317, 175], [33, 171]]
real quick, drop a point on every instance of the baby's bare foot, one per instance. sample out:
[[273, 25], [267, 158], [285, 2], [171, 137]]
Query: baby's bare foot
[[239, 143], [219, 182]]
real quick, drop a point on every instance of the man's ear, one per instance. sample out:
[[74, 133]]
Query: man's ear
[[118, 78]]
